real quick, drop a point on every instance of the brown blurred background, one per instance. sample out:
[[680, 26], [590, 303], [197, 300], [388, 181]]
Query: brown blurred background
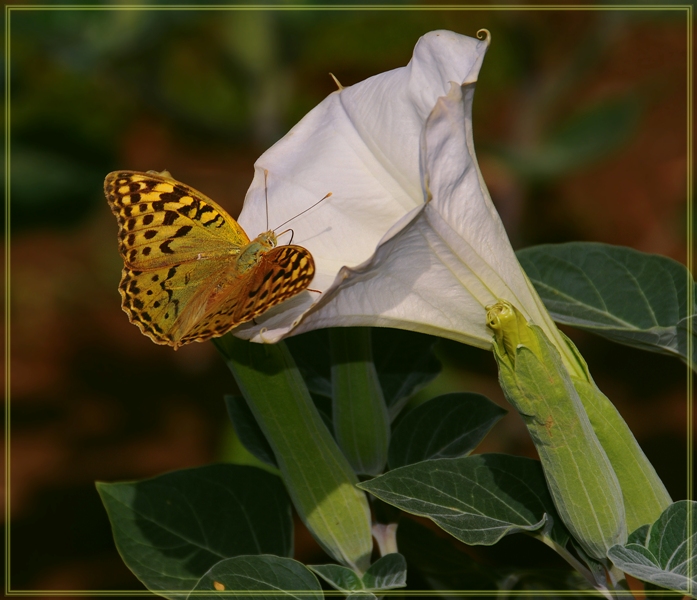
[[580, 125]]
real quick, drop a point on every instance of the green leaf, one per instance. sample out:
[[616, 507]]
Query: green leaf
[[405, 363], [248, 430], [478, 499], [171, 529], [386, 573], [318, 477], [627, 296], [361, 423], [640, 536], [444, 427], [340, 578], [235, 577], [664, 556]]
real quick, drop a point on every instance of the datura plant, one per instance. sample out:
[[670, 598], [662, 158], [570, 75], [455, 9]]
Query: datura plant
[[406, 241]]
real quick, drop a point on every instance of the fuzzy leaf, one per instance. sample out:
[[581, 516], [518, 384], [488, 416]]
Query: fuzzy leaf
[[171, 529], [627, 296], [478, 499], [249, 576], [664, 555], [444, 427]]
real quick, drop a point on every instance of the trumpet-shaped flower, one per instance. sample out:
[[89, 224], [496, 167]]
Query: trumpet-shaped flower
[[409, 237]]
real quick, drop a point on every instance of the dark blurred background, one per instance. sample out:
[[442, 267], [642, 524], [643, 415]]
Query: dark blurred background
[[580, 126]]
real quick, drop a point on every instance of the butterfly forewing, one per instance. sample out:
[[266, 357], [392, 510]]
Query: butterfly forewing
[[164, 222]]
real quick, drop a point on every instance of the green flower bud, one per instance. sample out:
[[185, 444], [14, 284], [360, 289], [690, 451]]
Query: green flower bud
[[645, 496], [582, 482], [316, 474]]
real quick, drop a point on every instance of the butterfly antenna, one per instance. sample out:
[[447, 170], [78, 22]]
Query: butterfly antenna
[[266, 195], [303, 212]]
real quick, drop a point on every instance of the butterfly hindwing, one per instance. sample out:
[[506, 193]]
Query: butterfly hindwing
[[167, 301], [281, 273]]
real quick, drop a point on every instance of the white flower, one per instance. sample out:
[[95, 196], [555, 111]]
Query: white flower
[[409, 237]]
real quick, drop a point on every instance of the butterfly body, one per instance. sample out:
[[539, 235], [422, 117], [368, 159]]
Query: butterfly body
[[190, 271]]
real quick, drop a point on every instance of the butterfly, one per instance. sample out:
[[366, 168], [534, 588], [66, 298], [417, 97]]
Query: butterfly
[[190, 271]]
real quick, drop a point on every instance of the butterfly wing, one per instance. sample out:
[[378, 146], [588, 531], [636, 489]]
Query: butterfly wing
[[163, 222], [281, 273], [175, 243], [165, 302]]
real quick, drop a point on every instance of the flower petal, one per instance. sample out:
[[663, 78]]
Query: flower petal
[[362, 144], [446, 261], [467, 220]]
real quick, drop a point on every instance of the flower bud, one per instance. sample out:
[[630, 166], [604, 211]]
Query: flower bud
[[645, 496], [581, 480]]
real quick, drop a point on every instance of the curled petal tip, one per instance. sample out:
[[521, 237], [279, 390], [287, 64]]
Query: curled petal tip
[[484, 34], [263, 338]]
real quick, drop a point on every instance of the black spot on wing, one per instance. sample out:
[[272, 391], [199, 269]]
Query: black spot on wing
[[170, 217], [182, 231], [165, 249], [171, 196]]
